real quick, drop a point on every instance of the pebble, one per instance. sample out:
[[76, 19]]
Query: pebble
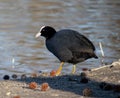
[[87, 92], [53, 73], [23, 76], [8, 93], [34, 75], [85, 69], [14, 76], [33, 85], [6, 77], [44, 86]]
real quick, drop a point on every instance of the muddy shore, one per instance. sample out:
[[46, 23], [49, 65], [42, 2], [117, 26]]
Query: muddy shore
[[103, 82]]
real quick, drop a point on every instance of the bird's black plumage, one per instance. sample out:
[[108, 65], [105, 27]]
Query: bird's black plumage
[[68, 45]]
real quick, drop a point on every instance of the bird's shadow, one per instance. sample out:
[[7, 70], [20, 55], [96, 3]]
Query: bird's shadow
[[71, 83]]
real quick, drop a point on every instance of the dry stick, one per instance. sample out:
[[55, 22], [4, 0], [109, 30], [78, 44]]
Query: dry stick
[[102, 52], [106, 66], [102, 59], [100, 44], [94, 69]]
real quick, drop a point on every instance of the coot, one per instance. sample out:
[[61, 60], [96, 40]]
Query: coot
[[67, 45]]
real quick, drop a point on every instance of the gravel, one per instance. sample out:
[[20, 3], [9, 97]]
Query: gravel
[[66, 86]]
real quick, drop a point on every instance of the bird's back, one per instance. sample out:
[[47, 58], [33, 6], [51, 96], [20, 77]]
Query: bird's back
[[74, 40]]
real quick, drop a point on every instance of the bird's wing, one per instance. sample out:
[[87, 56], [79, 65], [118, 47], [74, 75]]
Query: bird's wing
[[84, 41], [60, 51], [81, 46], [75, 39]]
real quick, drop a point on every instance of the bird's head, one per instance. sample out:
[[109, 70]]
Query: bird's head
[[46, 31]]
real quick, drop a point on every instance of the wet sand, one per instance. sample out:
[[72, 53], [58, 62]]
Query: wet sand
[[67, 86]]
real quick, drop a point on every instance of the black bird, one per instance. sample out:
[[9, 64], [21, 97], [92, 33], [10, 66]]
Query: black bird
[[67, 45]]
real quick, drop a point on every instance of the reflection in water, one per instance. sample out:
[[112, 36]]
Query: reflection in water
[[20, 20]]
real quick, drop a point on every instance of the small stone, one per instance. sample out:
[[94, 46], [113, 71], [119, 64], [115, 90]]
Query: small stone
[[33, 85], [45, 87], [84, 69], [53, 73], [23, 76], [8, 93], [14, 76], [34, 75], [40, 71], [6, 77], [45, 74], [87, 92]]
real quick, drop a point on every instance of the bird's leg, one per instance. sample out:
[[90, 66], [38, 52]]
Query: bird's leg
[[59, 69], [74, 69]]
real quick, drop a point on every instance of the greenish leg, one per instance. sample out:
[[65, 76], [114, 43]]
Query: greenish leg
[[74, 69]]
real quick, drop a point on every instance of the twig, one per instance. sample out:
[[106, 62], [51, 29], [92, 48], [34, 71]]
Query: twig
[[105, 66], [100, 44], [94, 69], [102, 52]]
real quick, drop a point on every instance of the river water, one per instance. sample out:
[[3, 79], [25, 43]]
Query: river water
[[20, 20]]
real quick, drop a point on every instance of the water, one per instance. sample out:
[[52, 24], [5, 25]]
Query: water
[[20, 20]]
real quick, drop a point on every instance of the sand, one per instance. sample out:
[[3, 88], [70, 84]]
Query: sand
[[66, 86]]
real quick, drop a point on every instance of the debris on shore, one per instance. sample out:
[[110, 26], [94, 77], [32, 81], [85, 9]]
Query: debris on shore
[[102, 82]]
